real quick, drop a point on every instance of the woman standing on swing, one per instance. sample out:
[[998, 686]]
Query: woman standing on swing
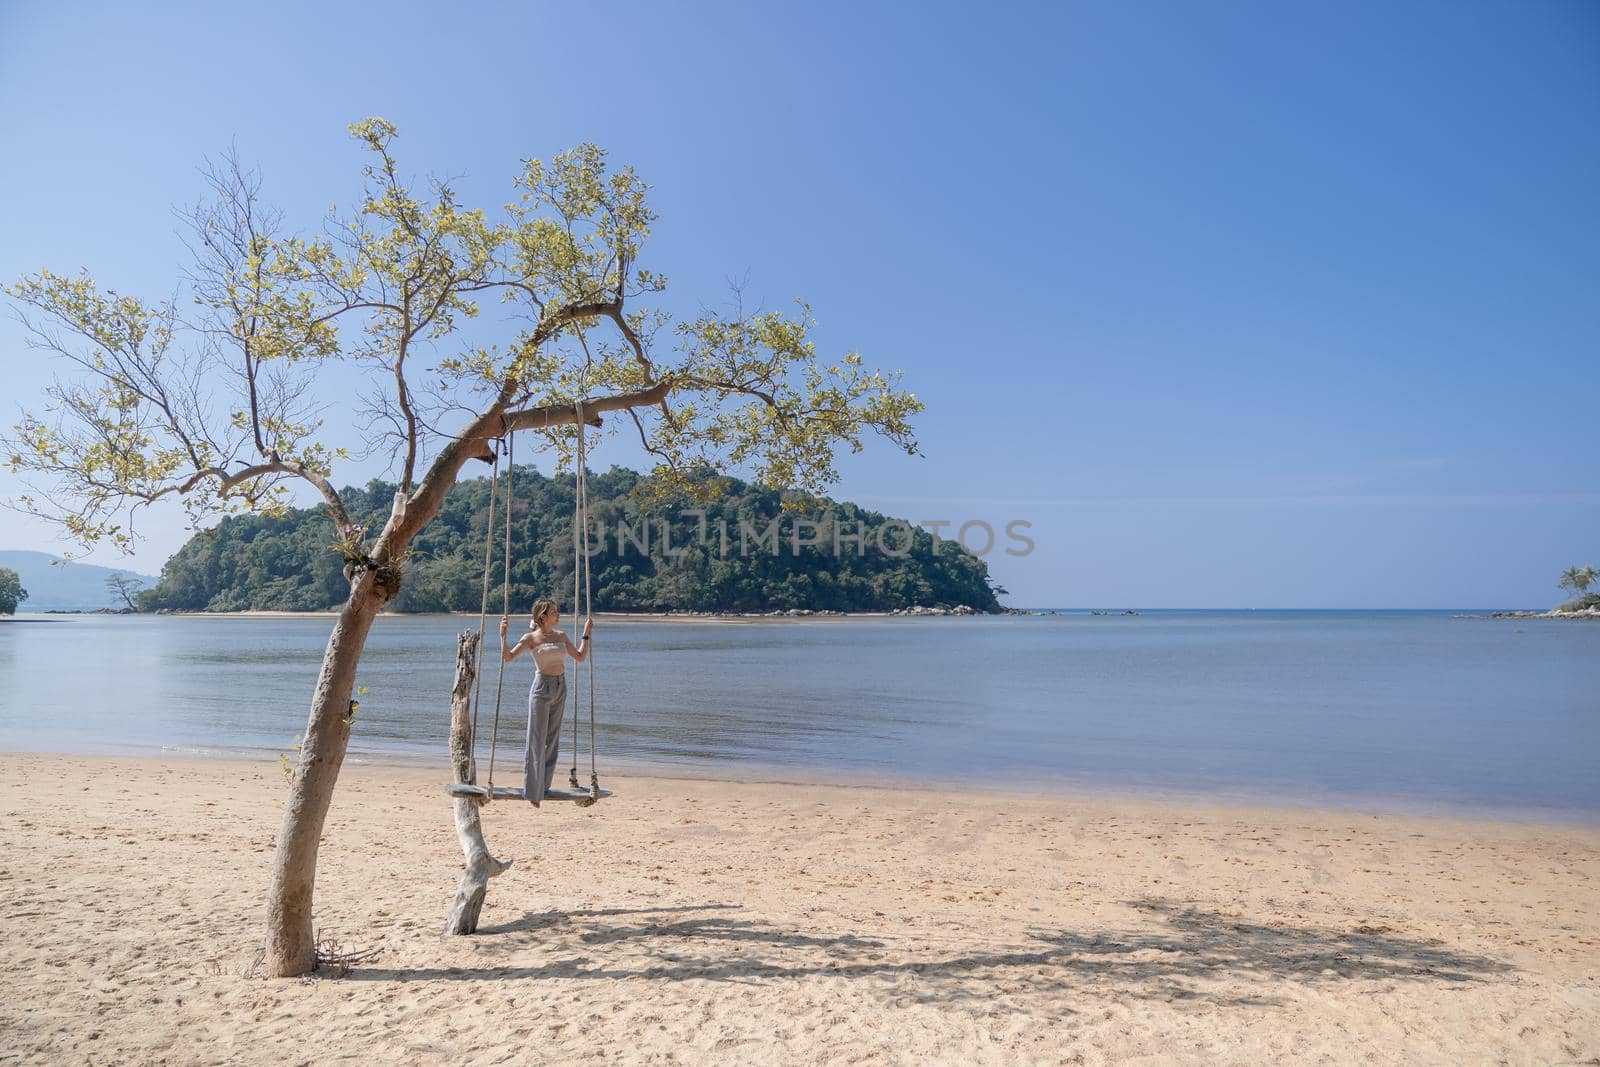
[[548, 697]]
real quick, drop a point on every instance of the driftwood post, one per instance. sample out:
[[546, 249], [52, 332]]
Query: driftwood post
[[469, 830]]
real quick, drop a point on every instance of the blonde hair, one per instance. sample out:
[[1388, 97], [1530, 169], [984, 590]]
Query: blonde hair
[[542, 607]]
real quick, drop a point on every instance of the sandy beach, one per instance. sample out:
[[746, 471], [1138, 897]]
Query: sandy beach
[[693, 921]]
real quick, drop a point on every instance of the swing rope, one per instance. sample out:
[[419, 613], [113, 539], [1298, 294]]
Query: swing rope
[[581, 579], [483, 610], [505, 608]]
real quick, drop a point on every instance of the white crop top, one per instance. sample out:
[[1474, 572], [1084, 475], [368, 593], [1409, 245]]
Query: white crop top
[[550, 651]]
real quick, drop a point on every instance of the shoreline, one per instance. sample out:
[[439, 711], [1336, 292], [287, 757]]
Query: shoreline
[[725, 922], [826, 615], [815, 780], [798, 615]]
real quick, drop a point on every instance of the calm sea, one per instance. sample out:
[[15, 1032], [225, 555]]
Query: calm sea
[[1416, 710]]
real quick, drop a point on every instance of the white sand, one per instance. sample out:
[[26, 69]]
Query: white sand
[[716, 922]]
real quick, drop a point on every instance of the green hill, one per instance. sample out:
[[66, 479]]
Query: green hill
[[57, 585], [654, 558]]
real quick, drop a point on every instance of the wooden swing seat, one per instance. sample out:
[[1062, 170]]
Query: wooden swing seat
[[506, 792]]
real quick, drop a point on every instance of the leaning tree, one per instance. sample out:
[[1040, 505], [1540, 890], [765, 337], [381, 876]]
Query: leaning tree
[[220, 397]]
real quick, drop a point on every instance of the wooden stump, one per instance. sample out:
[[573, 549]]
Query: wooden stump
[[481, 866]]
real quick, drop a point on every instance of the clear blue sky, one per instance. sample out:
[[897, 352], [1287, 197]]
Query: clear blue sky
[[1241, 304]]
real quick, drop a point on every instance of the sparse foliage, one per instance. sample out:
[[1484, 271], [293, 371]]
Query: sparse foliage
[[123, 587], [221, 406]]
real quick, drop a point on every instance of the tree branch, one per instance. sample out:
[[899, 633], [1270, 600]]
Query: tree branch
[[226, 481], [548, 415], [473, 443]]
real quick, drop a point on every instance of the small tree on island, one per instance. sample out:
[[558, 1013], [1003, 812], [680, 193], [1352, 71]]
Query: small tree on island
[[223, 409], [11, 591]]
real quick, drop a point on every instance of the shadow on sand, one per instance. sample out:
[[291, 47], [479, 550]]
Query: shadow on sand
[[1186, 946]]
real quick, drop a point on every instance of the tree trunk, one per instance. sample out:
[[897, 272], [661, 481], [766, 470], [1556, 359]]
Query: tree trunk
[[481, 866], [290, 948]]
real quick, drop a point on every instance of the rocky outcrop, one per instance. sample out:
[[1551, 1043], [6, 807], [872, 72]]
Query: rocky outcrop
[[959, 609], [1557, 613]]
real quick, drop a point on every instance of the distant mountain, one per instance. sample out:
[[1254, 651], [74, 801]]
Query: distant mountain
[[54, 585]]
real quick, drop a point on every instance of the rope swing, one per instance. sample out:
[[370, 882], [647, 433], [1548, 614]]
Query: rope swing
[[581, 583], [483, 609], [505, 600], [580, 568]]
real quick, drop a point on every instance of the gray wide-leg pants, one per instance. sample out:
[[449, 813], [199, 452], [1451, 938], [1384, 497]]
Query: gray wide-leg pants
[[547, 701]]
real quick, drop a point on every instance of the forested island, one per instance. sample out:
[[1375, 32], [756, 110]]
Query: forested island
[[733, 547]]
